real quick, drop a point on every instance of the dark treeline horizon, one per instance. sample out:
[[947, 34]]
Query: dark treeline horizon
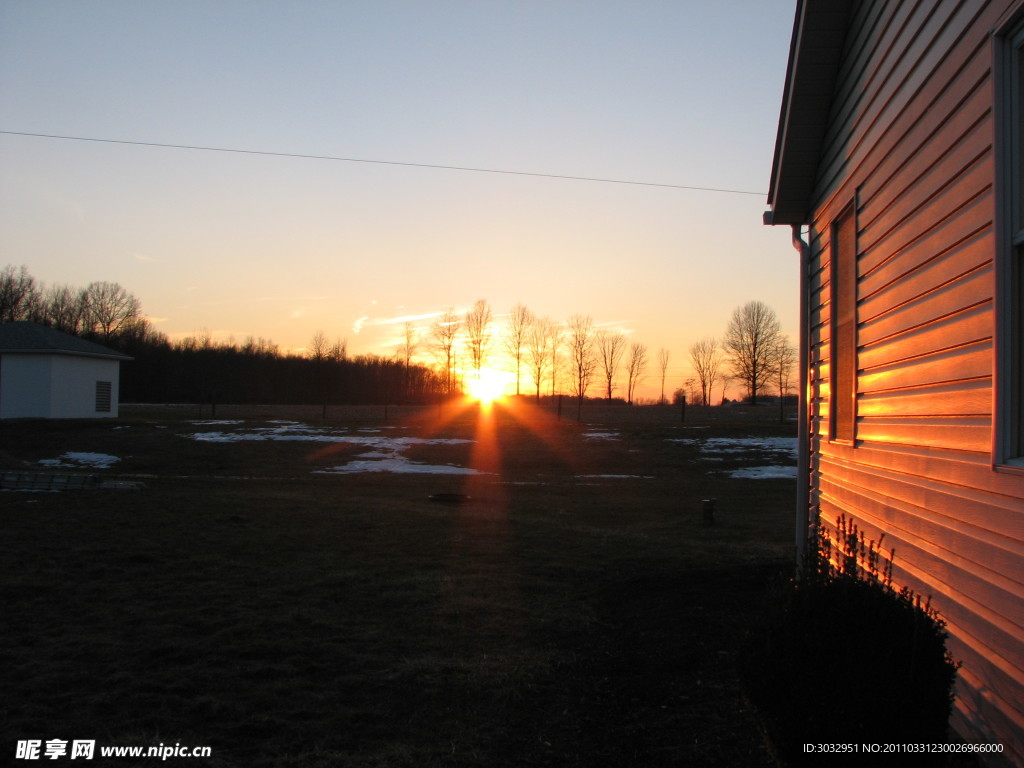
[[198, 369]]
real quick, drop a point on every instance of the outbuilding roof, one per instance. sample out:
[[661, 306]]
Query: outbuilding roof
[[32, 338], [819, 32]]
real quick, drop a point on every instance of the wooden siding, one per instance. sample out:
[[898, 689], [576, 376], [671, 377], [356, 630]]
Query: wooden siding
[[910, 139]]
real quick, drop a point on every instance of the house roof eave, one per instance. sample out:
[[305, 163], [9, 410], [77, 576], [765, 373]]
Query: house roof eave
[[819, 32], [68, 353]]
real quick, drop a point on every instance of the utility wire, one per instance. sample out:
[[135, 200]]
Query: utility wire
[[382, 162]]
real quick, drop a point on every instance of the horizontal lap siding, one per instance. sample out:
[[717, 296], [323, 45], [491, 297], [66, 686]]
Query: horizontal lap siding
[[910, 140]]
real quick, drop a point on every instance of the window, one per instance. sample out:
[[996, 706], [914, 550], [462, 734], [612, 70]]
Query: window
[[1009, 417], [103, 392], [843, 354]]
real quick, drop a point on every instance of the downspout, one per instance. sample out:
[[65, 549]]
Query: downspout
[[804, 517]]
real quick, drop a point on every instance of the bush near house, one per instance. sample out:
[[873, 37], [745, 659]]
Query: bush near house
[[843, 657]]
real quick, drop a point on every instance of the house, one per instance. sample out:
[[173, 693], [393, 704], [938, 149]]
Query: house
[[899, 165], [45, 373]]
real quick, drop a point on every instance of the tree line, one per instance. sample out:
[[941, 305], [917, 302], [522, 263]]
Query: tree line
[[753, 352], [200, 369], [575, 356], [546, 357]]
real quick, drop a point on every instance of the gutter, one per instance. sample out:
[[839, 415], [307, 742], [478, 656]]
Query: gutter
[[805, 519]]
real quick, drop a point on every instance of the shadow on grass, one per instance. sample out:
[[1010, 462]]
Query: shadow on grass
[[290, 620]]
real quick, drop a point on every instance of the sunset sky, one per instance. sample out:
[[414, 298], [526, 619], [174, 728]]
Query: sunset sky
[[683, 93]]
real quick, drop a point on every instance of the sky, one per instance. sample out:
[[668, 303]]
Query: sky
[[684, 94]]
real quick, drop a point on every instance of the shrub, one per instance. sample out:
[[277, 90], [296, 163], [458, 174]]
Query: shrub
[[841, 656]]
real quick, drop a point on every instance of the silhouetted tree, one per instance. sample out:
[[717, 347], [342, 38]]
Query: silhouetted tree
[[663, 356], [539, 342], [557, 340], [636, 363], [18, 293], [318, 346], [443, 334], [520, 325], [610, 346], [784, 359], [63, 308], [706, 357], [751, 339], [580, 340], [406, 350], [108, 307], [478, 333]]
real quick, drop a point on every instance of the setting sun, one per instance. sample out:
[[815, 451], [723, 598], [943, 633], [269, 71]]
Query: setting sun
[[489, 386]]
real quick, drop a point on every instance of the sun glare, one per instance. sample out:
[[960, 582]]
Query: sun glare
[[489, 386]]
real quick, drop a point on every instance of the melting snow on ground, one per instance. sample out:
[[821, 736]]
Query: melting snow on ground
[[376, 462], [764, 473], [716, 448], [593, 434], [385, 458], [77, 460]]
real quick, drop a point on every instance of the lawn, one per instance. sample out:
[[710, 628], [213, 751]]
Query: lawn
[[262, 593]]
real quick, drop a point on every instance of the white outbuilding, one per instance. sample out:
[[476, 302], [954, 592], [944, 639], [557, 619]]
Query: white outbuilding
[[48, 374]]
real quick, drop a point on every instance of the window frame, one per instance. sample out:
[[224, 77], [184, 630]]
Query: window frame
[[1008, 386], [843, 297]]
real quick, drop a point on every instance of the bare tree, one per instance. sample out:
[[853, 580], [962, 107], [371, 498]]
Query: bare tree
[[726, 379], [18, 293], [557, 340], [408, 345], [750, 339], [338, 351], [478, 333], [539, 342], [663, 356], [783, 360], [318, 346], [610, 346], [706, 357], [583, 360], [64, 308], [406, 350], [443, 334], [108, 307], [520, 325], [635, 365]]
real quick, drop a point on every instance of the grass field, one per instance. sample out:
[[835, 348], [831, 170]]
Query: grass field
[[260, 595]]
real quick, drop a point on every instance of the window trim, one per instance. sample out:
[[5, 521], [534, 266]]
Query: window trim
[[843, 283], [1008, 385]]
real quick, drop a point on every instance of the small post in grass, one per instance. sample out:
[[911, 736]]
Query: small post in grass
[[709, 510]]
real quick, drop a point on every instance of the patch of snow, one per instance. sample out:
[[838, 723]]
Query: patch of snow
[[764, 473], [601, 435], [80, 459], [397, 465], [721, 445], [295, 431], [384, 455], [734, 444]]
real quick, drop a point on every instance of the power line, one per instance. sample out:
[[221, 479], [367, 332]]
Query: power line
[[266, 153]]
